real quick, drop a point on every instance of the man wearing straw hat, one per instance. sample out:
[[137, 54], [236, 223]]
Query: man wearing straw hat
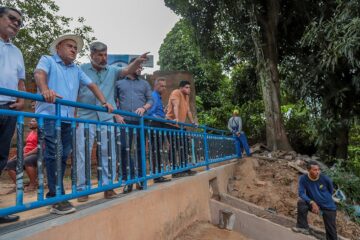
[[57, 76]]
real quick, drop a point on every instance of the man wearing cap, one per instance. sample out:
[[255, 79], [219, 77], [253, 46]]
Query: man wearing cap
[[58, 76], [235, 127], [12, 76], [104, 76]]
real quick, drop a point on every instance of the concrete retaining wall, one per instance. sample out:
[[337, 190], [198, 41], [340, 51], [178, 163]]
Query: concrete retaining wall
[[160, 212]]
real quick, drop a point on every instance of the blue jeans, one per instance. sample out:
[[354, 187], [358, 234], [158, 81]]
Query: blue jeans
[[241, 144], [50, 151], [7, 128]]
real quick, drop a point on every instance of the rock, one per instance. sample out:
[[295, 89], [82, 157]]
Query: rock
[[298, 162], [314, 157], [260, 183], [255, 163], [288, 157], [292, 153], [306, 158]]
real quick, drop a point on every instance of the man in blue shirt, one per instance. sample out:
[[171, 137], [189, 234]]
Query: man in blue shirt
[[315, 192], [58, 76], [157, 111], [104, 76], [133, 94], [12, 75]]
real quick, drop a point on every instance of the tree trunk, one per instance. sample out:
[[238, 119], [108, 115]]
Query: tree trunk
[[267, 59], [342, 142]]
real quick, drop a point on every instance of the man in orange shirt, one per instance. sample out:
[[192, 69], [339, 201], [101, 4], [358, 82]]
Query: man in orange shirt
[[178, 110], [30, 158]]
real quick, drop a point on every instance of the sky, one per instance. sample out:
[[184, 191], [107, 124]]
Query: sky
[[125, 26]]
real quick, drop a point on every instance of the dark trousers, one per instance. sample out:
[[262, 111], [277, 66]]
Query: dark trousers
[[329, 217], [50, 152], [7, 128], [126, 150], [179, 148], [157, 145]]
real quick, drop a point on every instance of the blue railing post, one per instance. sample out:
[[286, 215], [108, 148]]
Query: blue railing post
[[73, 158], [206, 149], [20, 160], [143, 154], [40, 160], [58, 150]]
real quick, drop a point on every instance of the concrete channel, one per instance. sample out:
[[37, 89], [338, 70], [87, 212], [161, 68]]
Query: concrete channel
[[165, 210]]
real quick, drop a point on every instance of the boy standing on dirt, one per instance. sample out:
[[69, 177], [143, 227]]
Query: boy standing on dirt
[[315, 192]]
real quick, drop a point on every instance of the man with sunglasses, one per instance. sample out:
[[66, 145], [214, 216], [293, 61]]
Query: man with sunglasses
[[12, 76]]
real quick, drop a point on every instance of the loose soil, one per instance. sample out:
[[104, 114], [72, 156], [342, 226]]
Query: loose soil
[[273, 185], [207, 231]]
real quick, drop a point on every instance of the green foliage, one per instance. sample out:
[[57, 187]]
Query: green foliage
[[254, 122], [179, 52], [297, 118], [354, 149], [344, 178], [244, 84], [42, 26]]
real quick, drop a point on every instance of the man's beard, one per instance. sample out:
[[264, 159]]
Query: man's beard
[[98, 65]]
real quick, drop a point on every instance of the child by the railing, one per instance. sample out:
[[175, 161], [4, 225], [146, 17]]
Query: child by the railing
[[58, 76], [30, 159], [12, 75]]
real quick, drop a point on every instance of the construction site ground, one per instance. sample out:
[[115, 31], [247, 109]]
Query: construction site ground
[[207, 231], [273, 185]]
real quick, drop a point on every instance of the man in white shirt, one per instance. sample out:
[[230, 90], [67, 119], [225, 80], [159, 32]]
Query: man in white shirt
[[12, 76]]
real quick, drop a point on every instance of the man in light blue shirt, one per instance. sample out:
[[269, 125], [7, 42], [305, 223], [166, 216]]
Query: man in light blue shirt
[[58, 76], [104, 76], [12, 75]]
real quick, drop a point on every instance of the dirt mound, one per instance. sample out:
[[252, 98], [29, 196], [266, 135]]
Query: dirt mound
[[273, 185]]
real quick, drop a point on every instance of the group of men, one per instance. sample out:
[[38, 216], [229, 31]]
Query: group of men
[[96, 83]]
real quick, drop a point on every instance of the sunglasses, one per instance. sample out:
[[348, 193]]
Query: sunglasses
[[15, 19]]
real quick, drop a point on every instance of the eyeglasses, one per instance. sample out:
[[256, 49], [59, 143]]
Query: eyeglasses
[[15, 19]]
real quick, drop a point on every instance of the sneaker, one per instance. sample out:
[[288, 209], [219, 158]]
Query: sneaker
[[301, 230], [109, 194], [184, 174], [62, 208], [139, 186], [83, 198], [161, 180], [128, 189], [190, 173], [9, 219]]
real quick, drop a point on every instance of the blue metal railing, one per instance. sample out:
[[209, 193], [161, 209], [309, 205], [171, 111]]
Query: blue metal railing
[[153, 148]]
